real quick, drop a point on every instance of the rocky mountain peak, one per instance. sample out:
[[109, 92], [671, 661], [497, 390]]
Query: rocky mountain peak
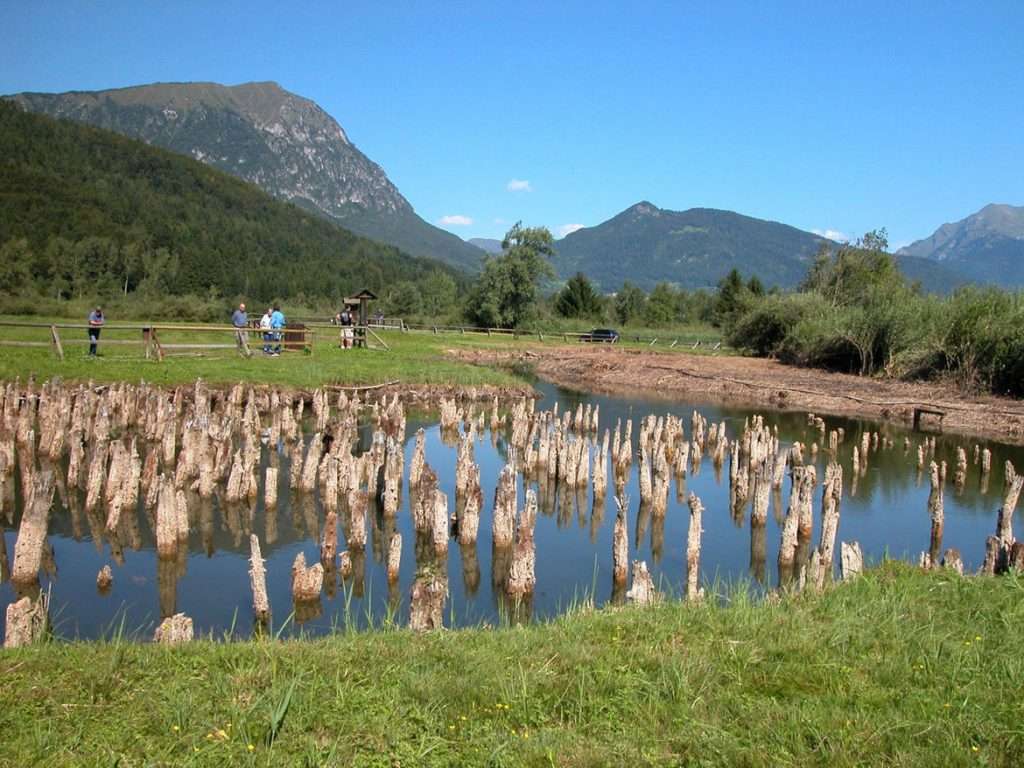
[[284, 143]]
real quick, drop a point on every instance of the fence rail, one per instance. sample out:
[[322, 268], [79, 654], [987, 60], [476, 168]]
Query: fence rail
[[671, 340]]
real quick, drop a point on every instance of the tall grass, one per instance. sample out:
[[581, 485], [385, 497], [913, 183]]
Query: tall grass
[[900, 667]]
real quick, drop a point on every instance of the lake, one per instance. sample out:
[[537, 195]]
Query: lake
[[886, 512]]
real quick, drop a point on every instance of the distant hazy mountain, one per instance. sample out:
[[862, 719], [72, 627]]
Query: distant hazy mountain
[[488, 244], [283, 143], [986, 247], [695, 248]]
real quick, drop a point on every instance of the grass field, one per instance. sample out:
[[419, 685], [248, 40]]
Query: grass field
[[416, 357], [901, 667]]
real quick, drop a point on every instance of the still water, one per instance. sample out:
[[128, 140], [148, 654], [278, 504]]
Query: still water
[[886, 512]]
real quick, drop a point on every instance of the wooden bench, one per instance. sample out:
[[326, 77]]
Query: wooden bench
[[921, 412]]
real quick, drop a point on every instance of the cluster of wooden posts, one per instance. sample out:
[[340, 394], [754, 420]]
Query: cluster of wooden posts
[[109, 450]]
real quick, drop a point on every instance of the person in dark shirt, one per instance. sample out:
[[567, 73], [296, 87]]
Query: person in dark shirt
[[96, 321], [240, 320], [345, 321]]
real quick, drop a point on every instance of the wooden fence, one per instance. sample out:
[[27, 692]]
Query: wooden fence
[[155, 341]]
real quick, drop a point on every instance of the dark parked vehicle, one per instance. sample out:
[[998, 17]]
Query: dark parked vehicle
[[606, 335]]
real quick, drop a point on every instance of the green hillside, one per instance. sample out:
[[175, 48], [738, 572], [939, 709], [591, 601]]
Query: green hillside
[[285, 144], [87, 212]]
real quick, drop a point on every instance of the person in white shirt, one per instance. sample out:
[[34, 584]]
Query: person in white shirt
[[267, 335]]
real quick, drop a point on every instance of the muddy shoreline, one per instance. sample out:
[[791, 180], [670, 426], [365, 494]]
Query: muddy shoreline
[[757, 382]]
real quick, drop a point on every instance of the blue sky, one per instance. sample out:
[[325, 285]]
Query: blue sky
[[842, 116]]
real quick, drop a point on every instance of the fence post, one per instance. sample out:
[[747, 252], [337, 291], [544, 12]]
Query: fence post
[[156, 345], [56, 342], [435, 330]]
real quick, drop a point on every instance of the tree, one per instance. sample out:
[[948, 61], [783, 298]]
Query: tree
[[505, 294], [730, 301], [852, 275], [439, 293], [15, 266], [404, 298], [755, 286], [629, 303], [578, 298], [662, 306]]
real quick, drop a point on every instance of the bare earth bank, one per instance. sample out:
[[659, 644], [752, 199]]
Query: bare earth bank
[[757, 382]]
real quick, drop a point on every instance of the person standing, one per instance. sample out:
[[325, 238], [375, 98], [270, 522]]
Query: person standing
[[96, 321], [277, 323], [345, 321], [240, 320], [267, 334]]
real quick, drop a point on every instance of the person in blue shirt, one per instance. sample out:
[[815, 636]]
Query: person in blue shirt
[[277, 322], [96, 321]]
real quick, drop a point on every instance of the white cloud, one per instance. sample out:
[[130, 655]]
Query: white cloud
[[833, 234], [455, 220], [500, 220], [519, 185], [568, 229]]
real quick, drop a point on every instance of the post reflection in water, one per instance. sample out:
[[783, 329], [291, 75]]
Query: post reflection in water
[[885, 506]]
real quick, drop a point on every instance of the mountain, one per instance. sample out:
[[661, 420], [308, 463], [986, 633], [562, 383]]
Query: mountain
[[486, 244], [87, 212], [695, 248], [281, 142], [986, 247]]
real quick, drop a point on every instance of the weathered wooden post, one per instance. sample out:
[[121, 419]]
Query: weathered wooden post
[[522, 576], [620, 541], [694, 592], [258, 581], [642, 591], [426, 602], [960, 478], [831, 497], [439, 528], [28, 548], [104, 580], [174, 630], [937, 515], [851, 560], [394, 559], [358, 502], [26, 622], [307, 583], [503, 519]]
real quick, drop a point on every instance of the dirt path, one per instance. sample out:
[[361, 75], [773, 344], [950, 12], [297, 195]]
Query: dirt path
[[757, 382]]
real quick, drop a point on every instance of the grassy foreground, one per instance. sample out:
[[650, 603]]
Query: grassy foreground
[[899, 668]]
